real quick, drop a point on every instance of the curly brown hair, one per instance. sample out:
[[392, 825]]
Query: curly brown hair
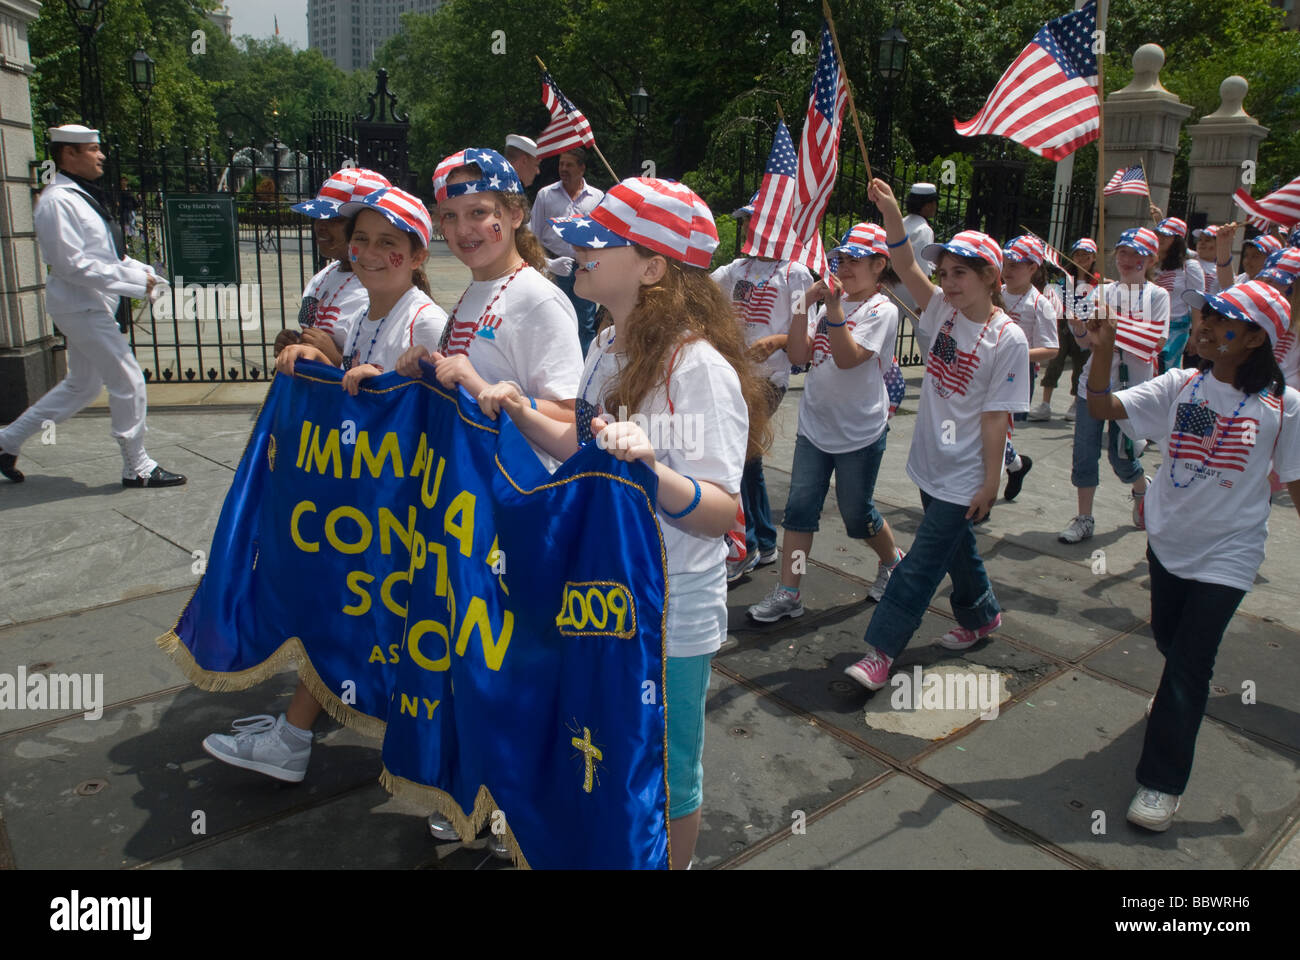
[[686, 305]]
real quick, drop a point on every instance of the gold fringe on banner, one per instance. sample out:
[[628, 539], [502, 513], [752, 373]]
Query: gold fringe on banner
[[289, 652], [443, 804]]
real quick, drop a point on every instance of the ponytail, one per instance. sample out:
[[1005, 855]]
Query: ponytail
[[530, 248], [421, 282]]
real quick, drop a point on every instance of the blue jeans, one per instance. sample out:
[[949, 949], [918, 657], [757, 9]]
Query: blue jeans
[[1188, 618], [759, 532], [855, 483], [944, 545], [586, 312], [1087, 450]]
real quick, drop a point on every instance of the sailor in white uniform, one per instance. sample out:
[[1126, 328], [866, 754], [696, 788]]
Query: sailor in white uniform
[[82, 243], [922, 204]]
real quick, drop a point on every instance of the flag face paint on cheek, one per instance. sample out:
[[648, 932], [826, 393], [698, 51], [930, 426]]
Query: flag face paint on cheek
[[496, 232], [352, 254], [591, 265], [396, 259]]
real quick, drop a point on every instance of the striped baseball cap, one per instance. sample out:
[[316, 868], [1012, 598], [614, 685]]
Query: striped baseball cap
[[497, 174], [1025, 249], [968, 243], [403, 210], [1210, 231], [1281, 268], [1141, 239], [350, 183], [1293, 239], [863, 240], [1172, 227], [1085, 243], [1266, 243], [666, 216], [1253, 301]]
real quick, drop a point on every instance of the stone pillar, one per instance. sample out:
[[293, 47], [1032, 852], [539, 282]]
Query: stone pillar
[[27, 358], [1221, 143], [1143, 121]]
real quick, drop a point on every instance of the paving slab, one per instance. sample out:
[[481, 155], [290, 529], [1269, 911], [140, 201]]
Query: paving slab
[[901, 824], [149, 755], [761, 764], [115, 640], [1053, 766], [1264, 655]]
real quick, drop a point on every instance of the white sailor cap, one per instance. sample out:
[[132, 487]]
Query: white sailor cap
[[73, 133], [924, 190], [522, 143]]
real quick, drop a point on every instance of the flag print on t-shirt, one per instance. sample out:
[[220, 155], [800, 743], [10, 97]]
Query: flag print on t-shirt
[[463, 332], [754, 302], [1211, 440], [950, 367]]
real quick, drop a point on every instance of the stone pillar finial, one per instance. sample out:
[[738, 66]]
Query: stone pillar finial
[[1148, 60], [1232, 93]]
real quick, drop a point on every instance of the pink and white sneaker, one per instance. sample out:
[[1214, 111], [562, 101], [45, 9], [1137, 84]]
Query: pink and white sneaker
[[959, 638], [872, 671]]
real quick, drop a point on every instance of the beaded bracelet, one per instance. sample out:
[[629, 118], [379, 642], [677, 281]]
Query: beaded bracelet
[[895, 246], [694, 503]]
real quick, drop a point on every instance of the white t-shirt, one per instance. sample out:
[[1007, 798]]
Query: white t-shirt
[[704, 435], [1212, 527], [1211, 273], [1142, 303], [971, 369], [1076, 299], [1036, 316], [414, 319], [1287, 355], [765, 295], [846, 410], [1177, 282], [332, 301], [529, 334]]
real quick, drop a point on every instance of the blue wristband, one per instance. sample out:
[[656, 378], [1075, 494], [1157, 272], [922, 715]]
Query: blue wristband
[[840, 324], [694, 503], [533, 402], [895, 246]]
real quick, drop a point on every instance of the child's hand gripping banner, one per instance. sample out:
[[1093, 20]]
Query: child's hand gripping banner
[[501, 628]]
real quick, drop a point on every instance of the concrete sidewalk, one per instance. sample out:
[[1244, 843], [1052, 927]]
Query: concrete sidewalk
[[802, 767]]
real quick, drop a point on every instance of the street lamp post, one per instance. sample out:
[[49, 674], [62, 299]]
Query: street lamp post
[[640, 105], [88, 17], [891, 62], [140, 72]]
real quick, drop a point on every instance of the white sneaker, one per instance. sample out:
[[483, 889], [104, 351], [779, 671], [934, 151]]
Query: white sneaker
[[777, 604], [738, 568], [1041, 412], [1152, 809], [1080, 529], [883, 574], [1069, 411], [263, 744], [441, 828], [767, 556]]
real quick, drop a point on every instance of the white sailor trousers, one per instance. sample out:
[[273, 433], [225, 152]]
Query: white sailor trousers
[[98, 356]]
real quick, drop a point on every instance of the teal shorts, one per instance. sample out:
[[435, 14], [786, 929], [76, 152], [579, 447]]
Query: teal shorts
[[685, 692]]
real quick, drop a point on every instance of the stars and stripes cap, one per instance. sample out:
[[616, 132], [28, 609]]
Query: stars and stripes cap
[[1141, 239], [1025, 249], [403, 210], [1210, 231], [863, 240], [968, 243], [1253, 301], [1265, 243], [1281, 268], [663, 215], [348, 184], [748, 209], [497, 174], [1085, 243], [1293, 240], [1172, 227]]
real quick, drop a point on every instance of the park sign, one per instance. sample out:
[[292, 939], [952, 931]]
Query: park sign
[[202, 245]]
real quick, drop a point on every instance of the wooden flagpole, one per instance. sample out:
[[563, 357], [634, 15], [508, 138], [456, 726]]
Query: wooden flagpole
[[1147, 181], [593, 136], [1101, 152], [857, 127], [1091, 273]]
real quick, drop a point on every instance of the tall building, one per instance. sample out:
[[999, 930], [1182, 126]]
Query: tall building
[[349, 32], [222, 19]]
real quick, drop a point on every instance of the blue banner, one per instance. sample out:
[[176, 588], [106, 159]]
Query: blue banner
[[499, 626]]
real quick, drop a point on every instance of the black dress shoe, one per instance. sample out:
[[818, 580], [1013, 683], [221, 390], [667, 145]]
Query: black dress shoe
[[159, 478], [1016, 480], [7, 461]]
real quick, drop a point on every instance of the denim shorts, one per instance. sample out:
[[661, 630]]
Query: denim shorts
[[686, 688], [1088, 437], [855, 483]]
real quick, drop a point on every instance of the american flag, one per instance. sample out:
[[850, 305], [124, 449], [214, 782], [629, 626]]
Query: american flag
[[950, 367], [895, 385], [1047, 99], [1212, 440], [458, 336], [1130, 181], [770, 233], [1136, 334], [568, 127], [819, 152], [1281, 206], [753, 302]]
